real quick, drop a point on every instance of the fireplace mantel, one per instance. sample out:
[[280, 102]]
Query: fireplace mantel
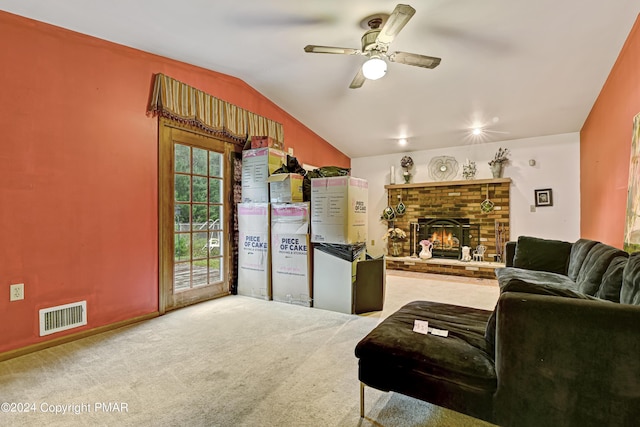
[[448, 183]]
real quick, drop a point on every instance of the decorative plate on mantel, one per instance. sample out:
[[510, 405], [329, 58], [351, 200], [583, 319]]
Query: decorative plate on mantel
[[443, 168]]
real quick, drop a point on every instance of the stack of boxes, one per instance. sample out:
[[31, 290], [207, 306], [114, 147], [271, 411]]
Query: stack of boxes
[[276, 230], [339, 233], [254, 248]]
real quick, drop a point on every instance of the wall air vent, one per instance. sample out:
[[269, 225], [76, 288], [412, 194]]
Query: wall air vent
[[62, 317]]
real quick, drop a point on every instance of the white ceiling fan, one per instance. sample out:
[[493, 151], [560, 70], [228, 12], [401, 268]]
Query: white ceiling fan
[[375, 45]]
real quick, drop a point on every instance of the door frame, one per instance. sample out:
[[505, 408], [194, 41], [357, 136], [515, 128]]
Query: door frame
[[168, 131]]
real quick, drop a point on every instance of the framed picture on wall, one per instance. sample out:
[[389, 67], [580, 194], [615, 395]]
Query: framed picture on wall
[[544, 197]]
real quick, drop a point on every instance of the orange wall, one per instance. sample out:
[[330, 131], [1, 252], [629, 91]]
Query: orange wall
[[78, 172], [605, 148]]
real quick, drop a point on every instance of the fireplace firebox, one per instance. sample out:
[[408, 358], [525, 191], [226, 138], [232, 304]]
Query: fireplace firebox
[[448, 235]]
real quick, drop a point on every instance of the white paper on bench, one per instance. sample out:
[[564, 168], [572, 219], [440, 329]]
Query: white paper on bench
[[439, 332], [422, 327]]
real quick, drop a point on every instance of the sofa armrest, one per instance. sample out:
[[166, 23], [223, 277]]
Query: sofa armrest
[[566, 362], [509, 253]]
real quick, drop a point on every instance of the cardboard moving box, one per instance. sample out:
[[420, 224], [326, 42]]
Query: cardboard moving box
[[291, 254], [266, 142], [257, 165], [254, 250], [285, 188], [339, 210]]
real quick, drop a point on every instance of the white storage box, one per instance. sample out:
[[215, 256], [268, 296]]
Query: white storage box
[[254, 255], [291, 254], [285, 188], [339, 210], [333, 279], [350, 284], [257, 165]]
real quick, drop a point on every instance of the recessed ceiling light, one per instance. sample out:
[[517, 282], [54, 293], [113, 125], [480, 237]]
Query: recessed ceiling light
[[402, 141], [477, 131]]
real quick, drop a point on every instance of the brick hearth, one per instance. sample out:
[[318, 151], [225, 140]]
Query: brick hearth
[[485, 270]]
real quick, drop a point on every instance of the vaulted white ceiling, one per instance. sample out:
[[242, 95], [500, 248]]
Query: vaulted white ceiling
[[519, 68]]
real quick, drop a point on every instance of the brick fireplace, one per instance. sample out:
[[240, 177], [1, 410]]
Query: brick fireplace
[[452, 204]]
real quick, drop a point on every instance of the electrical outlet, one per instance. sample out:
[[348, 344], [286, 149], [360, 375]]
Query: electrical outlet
[[16, 292], [532, 208], [373, 242]]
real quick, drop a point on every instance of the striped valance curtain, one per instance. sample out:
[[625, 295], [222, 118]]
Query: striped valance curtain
[[183, 103]]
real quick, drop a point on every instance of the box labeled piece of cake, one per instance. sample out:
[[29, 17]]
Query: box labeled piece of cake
[[285, 188], [291, 254], [257, 165], [254, 254], [339, 210]]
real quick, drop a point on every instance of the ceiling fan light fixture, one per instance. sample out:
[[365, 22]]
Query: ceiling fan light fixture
[[374, 68]]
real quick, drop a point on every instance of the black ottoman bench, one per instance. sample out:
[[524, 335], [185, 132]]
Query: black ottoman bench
[[456, 372]]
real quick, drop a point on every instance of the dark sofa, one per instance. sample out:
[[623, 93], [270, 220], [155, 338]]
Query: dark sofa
[[561, 348]]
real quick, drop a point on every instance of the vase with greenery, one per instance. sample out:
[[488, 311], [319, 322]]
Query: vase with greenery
[[395, 236], [498, 162]]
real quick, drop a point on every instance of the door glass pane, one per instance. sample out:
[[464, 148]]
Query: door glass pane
[[199, 161], [215, 164], [182, 216], [181, 246], [199, 189], [215, 238], [199, 273], [181, 276], [183, 188], [215, 190], [182, 158], [200, 245], [215, 270], [215, 216], [199, 218]]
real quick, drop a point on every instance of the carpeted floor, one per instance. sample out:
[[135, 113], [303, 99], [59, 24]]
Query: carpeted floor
[[235, 361]]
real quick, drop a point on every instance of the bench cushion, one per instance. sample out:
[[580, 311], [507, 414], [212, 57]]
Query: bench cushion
[[460, 358]]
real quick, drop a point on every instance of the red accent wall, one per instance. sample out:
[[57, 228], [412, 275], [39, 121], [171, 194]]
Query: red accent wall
[[78, 172], [605, 148]]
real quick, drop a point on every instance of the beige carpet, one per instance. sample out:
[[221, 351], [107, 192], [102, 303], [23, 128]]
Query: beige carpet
[[235, 361]]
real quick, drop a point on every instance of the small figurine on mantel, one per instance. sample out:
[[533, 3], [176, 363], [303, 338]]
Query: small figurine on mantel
[[469, 170], [406, 163]]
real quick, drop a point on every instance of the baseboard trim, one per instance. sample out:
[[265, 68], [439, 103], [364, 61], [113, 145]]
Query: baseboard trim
[[11, 354]]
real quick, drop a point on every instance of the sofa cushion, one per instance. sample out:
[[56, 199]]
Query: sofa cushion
[[612, 280], [594, 266], [523, 286], [579, 251], [533, 253], [460, 358], [630, 293], [506, 274]]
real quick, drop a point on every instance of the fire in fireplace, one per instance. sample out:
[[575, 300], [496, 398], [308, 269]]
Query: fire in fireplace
[[448, 235]]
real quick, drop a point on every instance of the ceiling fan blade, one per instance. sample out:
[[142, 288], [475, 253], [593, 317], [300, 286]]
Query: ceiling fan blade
[[414, 59], [396, 22], [358, 80], [331, 49]]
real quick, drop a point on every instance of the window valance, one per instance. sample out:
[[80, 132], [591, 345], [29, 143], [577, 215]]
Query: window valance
[[183, 103]]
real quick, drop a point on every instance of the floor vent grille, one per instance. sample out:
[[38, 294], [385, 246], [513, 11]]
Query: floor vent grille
[[62, 317]]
